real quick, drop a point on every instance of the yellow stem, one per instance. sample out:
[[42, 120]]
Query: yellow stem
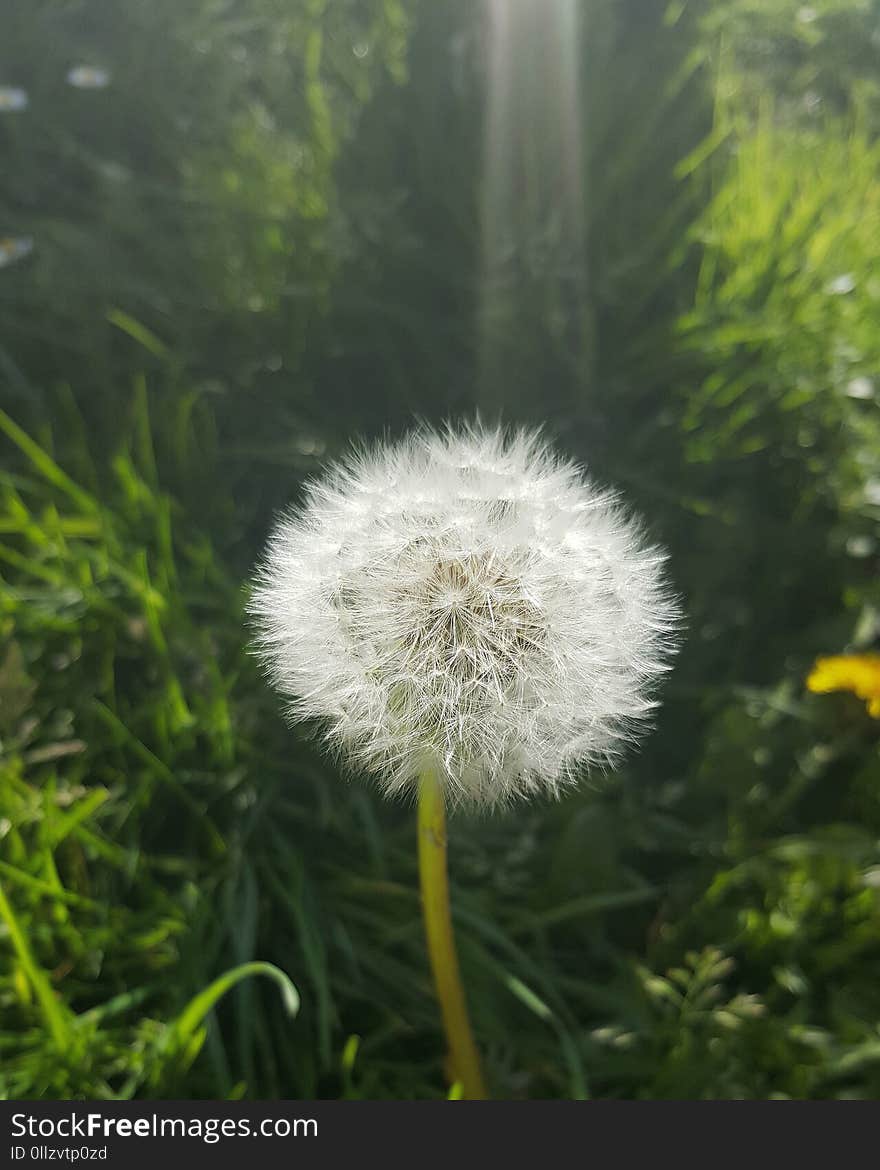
[[441, 942]]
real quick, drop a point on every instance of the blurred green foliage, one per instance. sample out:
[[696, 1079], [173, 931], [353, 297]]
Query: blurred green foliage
[[262, 239]]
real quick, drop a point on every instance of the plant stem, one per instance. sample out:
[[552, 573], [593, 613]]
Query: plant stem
[[463, 1053]]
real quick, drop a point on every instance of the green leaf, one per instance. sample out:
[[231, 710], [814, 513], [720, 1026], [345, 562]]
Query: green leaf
[[192, 1016]]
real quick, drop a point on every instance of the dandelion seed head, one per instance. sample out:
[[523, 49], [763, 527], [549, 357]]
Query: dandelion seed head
[[466, 601]]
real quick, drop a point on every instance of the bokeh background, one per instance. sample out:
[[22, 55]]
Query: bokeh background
[[238, 234]]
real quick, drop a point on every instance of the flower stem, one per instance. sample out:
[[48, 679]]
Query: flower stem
[[463, 1053]]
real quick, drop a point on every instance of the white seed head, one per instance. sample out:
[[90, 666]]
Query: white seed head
[[465, 601]]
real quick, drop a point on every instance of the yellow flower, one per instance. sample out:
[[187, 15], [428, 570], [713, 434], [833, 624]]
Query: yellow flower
[[858, 673]]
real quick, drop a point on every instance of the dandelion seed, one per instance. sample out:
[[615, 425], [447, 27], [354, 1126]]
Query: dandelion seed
[[14, 248], [12, 99], [466, 602], [812, 101], [88, 77]]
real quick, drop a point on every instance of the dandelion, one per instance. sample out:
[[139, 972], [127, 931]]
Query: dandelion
[[467, 602], [14, 248], [12, 99], [857, 673], [88, 77], [473, 620]]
